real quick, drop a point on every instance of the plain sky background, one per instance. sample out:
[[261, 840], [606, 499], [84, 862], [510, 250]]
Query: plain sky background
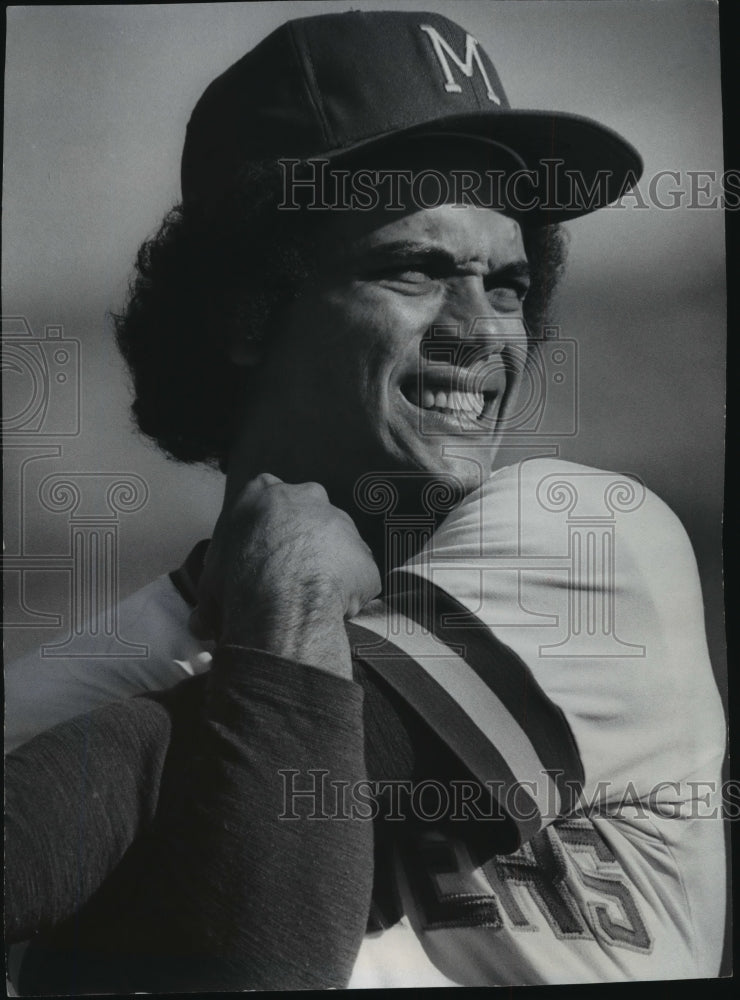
[[96, 104]]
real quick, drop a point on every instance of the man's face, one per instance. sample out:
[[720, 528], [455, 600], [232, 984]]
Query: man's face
[[402, 355]]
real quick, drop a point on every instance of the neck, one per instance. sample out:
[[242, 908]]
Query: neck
[[395, 514]]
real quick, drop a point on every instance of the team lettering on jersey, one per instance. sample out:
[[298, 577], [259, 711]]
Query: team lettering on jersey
[[567, 871]]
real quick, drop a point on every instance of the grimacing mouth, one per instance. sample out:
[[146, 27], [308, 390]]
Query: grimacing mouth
[[471, 394]]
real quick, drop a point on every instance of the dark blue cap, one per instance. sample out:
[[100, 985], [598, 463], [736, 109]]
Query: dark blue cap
[[321, 87]]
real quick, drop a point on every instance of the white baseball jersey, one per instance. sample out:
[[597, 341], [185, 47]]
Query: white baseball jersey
[[552, 634]]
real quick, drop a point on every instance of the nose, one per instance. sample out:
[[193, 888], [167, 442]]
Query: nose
[[469, 320]]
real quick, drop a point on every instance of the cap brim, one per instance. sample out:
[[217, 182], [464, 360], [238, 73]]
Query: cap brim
[[582, 165]]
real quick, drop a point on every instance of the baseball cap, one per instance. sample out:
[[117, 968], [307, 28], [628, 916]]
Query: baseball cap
[[326, 86]]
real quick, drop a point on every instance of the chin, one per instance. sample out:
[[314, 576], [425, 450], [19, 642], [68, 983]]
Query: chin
[[466, 460], [434, 483], [470, 472], [451, 446]]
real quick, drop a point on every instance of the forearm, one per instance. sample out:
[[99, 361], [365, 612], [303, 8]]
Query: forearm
[[268, 902], [97, 782], [306, 626], [76, 797], [222, 893]]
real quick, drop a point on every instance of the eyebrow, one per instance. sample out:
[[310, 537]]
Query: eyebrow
[[404, 250], [518, 270]]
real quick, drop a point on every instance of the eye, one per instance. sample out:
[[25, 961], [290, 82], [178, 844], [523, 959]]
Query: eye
[[409, 277], [507, 296], [412, 275]]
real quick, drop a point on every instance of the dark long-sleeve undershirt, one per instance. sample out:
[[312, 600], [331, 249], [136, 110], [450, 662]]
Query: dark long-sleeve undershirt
[[144, 849], [218, 893]]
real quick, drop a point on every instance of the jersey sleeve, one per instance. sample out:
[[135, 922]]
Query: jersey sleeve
[[552, 633]]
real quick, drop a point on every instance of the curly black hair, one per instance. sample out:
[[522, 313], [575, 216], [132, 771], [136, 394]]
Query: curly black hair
[[206, 276]]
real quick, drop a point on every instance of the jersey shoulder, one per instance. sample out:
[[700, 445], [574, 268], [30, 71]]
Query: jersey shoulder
[[590, 578], [539, 494], [543, 508]]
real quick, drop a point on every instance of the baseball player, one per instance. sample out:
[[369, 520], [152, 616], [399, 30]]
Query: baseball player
[[525, 662]]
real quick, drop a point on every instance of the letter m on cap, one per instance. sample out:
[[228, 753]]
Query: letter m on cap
[[445, 52]]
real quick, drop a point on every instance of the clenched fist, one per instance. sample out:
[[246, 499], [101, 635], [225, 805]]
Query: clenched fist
[[283, 571]]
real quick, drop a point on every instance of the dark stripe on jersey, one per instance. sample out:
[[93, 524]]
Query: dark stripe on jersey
[[449, 720], [185, 577], [505, 673], [495, 664]]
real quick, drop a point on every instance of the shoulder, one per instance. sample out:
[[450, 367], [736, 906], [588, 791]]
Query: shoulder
[[552, 548], [533, 507], [591, 580], [546, 540]]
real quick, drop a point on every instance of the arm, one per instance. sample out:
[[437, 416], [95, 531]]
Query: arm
[[76, 798], [99, 781], [133, 770], [219, 893]]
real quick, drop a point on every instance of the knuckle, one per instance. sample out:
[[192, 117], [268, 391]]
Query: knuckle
[[344, 517], [316, 489], [265, 479]]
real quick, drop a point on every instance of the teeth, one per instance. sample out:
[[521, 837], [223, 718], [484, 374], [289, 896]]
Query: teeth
[[469, 403]]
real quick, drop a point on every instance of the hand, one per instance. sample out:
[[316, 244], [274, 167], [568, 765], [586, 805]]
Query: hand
[[283, 571]]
